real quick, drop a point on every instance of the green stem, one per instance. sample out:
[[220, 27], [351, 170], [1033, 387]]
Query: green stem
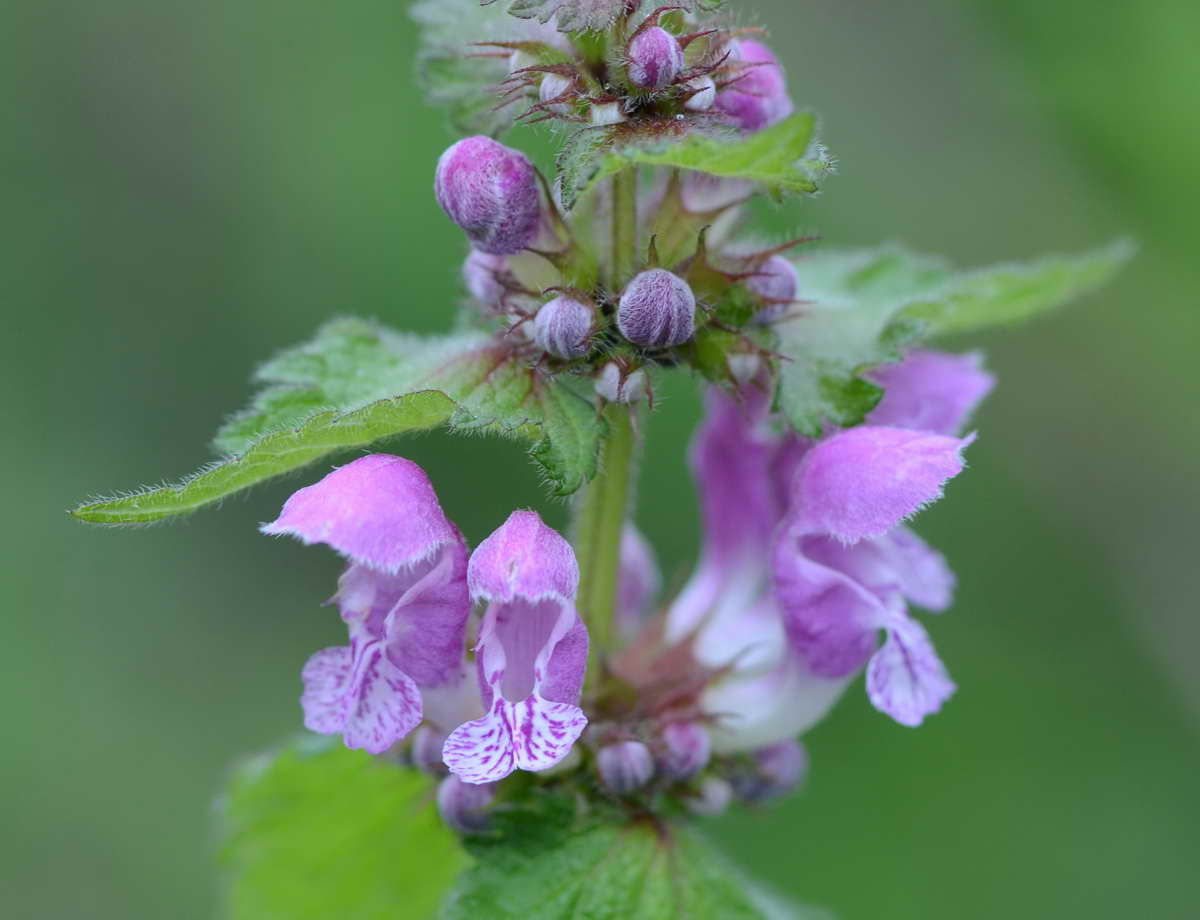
[[624, 226], [599, 521]]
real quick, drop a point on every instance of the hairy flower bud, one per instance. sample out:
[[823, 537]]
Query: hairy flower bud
[[463, 805], [491, 192], [686, 750], [758, 95], [484, 276], [607, 113], [657, 310], [426, 751], [776, 771], [703, 94], [617, 386], [776, 282], [625, 766], [715, 796], [655, 58], [563, 327], [553, 86]]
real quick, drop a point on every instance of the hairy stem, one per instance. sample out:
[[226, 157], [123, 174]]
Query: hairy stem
[[624, 226], [599, 521]]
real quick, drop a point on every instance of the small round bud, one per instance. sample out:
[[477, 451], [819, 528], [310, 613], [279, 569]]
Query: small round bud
[[775, 281], [715, 796], [686, 750], [743, 366], [655, 58], [776, 771], [426, 751], [563, 327], [491, 192], [553, 85], [758, 95], [625, 766], [617, 386], [703, 94], [657, 310], [484, 277], [607, 113], [463, 805]]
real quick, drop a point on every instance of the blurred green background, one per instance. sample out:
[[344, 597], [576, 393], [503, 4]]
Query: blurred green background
[[190, 186]]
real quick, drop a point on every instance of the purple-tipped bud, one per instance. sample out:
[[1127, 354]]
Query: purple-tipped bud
[[484, 277], [655, 58], [463, 806], [617, 386], [703, 94], [625, 766], [686, 750], [776, 282], [563, 327], [553, 86], [426, 751], [491, 192], [657, 310], [758, 95], [776, 771], [715, 795]]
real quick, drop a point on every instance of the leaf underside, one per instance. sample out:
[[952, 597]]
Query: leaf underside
[[862, 308], [357, 383]]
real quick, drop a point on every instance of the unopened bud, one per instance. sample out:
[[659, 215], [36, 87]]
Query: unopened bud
[[607, 113], [775, 771], [758, 95], [655, 58], [617, 386], [483, 275], [686, 750], [491, 192], [703, 94], [426, 751], [775, 281], [563, 327], [743, 366], [657, 310], [715, 796], [463, 805], [553, 86], [625, 766]]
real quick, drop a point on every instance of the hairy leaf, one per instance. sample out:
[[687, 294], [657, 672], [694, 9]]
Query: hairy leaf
[[318, 832], [357, 383], [860, 308], [782, 158]]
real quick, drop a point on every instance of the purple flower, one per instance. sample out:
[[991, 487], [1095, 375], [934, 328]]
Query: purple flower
[[775, 281], [655, 58], [563, 327], [531, 655], [491, 192], [930, 391], [686, 749], [758, 95], [639, 581], [403, 597], [657, 310]]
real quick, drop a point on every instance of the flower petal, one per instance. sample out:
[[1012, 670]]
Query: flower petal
[[920, 571], [638, 583], [523, 559], [543, 732], [481, 751], [930, 391], [533, 734], [380, 511], [863, 481], [905, 678], [326, 676]]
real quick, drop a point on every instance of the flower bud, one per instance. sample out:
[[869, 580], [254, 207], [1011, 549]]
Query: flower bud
[[426, 751], [617, 386], [607, 113], [462, 805], [775, 771], [655, 58], [552, 86], [491, 192], [703, 94], [743, 366], [715, 796], [775, 280], [563, 327], [703, 193], [484, 276], [657, 310], [686, 750], [625, 766], [757, 96]]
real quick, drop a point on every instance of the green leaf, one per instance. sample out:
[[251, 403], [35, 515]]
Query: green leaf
[[783, 157], [357, 383], [540, 869], [1011, 293], [318, 832], [862, 307], [572, 15]]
